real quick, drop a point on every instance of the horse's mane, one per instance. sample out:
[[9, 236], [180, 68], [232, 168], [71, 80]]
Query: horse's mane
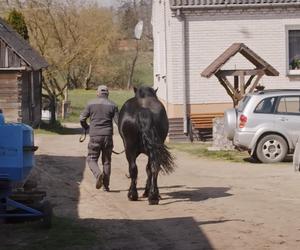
[[144, 91]]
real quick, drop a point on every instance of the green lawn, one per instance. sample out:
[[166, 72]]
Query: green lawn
[[201, 150], [143, 73], [80, 97]]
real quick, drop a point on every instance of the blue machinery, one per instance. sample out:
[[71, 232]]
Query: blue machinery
[[16, 160]]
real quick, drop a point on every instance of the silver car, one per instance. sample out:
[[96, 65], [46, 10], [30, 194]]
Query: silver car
[[266, 124]]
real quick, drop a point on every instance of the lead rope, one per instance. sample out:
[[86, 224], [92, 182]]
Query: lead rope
[[82, 137], [118, 153]]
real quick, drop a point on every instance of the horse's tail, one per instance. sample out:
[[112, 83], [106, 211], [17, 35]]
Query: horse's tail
[[157, 151]]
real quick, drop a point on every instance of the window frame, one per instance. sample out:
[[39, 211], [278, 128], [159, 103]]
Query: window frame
[[290, 72]]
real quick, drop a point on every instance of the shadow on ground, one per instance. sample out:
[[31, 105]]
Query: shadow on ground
[[288, 158], [61, 129], [166, 234], [196, 194], [60, 176]]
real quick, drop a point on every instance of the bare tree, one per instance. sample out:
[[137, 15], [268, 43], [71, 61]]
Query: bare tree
[[82, 42], [73, 37], [130, 12]]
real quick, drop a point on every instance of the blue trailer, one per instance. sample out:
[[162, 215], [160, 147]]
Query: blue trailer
[[16, 161]]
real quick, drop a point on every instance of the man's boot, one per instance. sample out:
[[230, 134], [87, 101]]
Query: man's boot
[[106, 183], [99, 181]]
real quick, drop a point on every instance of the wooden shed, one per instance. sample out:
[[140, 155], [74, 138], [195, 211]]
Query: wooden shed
[[20, 78]]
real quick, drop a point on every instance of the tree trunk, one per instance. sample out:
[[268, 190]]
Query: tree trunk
[[130, 78], [52, 107], [87, 79]]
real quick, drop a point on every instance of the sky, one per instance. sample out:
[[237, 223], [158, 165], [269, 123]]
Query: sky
[[108, 2]]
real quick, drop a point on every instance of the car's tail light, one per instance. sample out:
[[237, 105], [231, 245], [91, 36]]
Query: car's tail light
[[243, 121]]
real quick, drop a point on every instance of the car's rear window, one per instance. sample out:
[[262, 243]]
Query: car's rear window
[[243, 103], [266, 106]]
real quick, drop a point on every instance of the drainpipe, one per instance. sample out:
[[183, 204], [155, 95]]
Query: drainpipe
[[165, 77], [183, 25]]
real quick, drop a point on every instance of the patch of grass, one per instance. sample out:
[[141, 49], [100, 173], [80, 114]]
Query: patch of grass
[[80, 97], [143, 73], [64, 234], [201, 150]]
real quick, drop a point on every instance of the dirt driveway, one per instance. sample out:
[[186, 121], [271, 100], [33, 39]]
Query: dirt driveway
[[205, 204]]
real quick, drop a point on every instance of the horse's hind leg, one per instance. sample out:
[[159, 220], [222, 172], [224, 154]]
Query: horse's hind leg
[[153, 197], [149, 177], [133, 171]]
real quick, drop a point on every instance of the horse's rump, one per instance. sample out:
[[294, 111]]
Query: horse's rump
[[153, 144]]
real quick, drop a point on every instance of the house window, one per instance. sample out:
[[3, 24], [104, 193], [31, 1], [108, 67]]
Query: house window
[[294, 51]]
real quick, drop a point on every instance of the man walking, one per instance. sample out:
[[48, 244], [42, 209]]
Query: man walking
[[101, 112]]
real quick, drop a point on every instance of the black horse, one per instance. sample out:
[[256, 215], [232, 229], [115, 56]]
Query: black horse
[[143, 126]]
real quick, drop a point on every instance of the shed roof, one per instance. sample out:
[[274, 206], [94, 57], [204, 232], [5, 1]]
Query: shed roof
[[247, 53], [191, 4], [21, 47]]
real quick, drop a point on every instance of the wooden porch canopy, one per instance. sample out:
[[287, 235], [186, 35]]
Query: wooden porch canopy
[[238, 89]]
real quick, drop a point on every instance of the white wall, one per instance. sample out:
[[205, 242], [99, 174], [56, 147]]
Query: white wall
[[209, 33], [159, 17]]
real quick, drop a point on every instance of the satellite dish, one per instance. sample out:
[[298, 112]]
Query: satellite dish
[[138, 30]]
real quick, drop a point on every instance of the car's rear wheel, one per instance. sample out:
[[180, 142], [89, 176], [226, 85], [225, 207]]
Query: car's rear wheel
[[271, 148]]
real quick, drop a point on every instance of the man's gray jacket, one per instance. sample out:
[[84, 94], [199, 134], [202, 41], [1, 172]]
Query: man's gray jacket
[[101, 112]]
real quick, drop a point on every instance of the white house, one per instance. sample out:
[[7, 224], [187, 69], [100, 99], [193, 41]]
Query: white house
[[190, 34]]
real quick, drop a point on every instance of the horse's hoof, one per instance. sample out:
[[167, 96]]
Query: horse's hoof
[[145, 195], [153, 202], [133, 196]]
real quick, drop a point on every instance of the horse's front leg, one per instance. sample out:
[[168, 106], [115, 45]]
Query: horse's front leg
[[149, 177], [153, 197], [133, 171]]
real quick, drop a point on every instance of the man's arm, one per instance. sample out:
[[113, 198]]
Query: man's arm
[[84, 116]]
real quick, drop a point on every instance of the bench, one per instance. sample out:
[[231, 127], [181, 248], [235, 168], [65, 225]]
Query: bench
[[202, 123]]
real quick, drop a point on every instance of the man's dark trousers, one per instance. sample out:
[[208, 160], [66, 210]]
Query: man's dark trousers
[[100, 145]]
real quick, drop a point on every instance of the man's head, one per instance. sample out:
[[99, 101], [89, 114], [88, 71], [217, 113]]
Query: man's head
[[102, 91]]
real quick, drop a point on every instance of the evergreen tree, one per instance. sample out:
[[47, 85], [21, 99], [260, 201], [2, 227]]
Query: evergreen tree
[[17, 21]]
